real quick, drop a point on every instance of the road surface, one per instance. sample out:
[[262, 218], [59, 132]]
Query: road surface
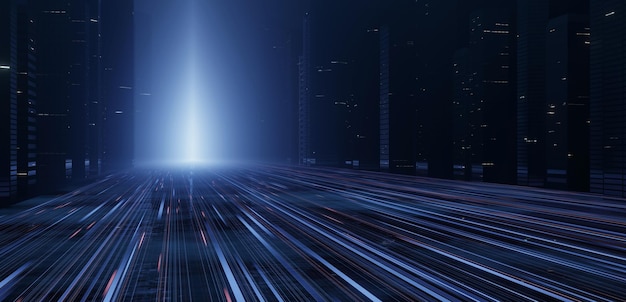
[[270, 233]]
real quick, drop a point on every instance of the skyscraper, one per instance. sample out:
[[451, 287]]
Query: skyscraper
[[484, 74], [26, 102], [532, 18], [463, 127], [304, 125], [55, 91], [364, 115], [398, 100], [95, 116], [339, 86], [608, 97], [118, 76], [53, 68], [18, 129], [567, 106], [8, 102], [436, 24], [68, 82]]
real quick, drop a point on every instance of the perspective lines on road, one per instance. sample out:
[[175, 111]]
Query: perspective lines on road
[[273, 233]]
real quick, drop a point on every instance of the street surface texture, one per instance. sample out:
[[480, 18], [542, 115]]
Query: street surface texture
[[272, 233]]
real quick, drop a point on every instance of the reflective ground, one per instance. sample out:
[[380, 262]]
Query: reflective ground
[[297, 234]]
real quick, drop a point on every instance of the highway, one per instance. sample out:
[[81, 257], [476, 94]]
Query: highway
[[278, 233]]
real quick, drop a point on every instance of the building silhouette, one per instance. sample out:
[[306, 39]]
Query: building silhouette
[[338, 88], [26, 103], [53, 88], [8, 102], [607, 97], [567, 102], [463, 128], [399, 126], [117, 83], [304, 126], [532, 19], [62, 69], [18, 151], [484, 104], [364, 118]]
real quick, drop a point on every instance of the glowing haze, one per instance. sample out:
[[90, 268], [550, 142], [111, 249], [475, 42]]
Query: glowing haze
[[213, 80], [176, 122], [192, 126]]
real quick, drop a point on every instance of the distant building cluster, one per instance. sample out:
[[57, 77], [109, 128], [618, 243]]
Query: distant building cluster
[[66, 93], [527, 92]]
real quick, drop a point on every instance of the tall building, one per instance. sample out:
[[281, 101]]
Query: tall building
[[339, 77], [463, 128], [436, 24], [53, 67], [304, 125], [68, 83], [95, 116], [18, 164], [8, 102], [364, 115], [61, 71], [492, 51], [567, 102], [607, 98], [117, 83], [398, 100], [26, 103], [532, 18], [331, 102], [484, 99], [78, 89], [341, 124]]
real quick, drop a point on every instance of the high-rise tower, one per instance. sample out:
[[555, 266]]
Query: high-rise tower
[[608, 97], [118, 78], [8, 102], [27, 131], [567, 102], [532, 18]]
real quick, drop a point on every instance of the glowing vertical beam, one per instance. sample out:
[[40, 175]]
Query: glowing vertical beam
[[193, 134], [192, 144]]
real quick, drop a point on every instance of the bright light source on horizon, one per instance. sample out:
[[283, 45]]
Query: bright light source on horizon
[[195, 134], [190, 131], [192, 135], [190, 102]]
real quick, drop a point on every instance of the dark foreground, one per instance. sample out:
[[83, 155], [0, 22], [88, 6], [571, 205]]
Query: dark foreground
[[283, 234]]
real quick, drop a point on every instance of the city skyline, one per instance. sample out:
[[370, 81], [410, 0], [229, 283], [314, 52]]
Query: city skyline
[[312, 150], [488, 91]]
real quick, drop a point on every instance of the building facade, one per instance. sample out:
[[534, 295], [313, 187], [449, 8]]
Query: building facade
[[532, 18], [8, 102], [484, 99], [117, 83], [567, 102], [608, 97], [27, 131], [57, 92]]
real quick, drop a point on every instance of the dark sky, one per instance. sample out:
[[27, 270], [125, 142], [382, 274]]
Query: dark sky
[[239, 56]]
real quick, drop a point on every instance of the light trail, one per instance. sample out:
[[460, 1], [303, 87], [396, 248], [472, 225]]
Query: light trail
[[269, 233]]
